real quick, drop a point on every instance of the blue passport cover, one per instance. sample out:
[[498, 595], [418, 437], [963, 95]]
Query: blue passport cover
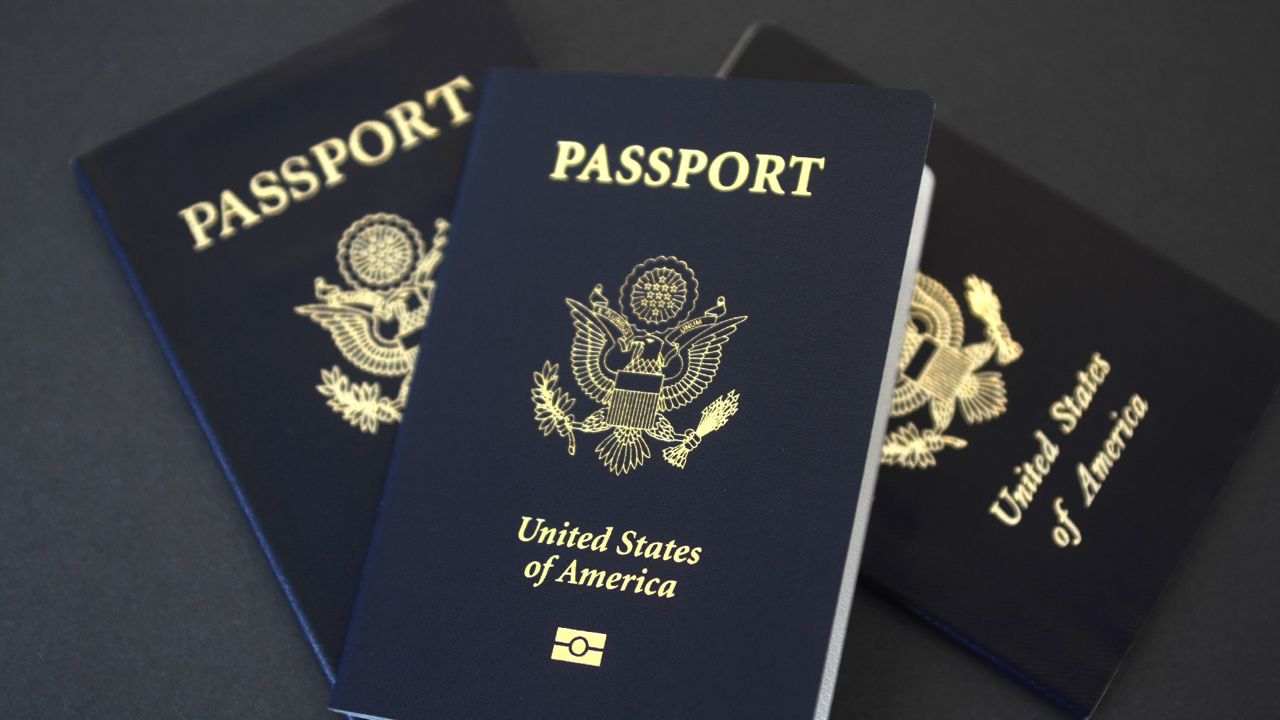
[[640, 488], [282, 235], [1068, 405]]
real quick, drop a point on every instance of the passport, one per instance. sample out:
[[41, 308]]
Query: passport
[[1067, 405], [641, 486], [283, 236]]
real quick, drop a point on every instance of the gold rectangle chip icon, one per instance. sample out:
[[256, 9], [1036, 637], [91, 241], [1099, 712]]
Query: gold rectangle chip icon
[[578, 646]]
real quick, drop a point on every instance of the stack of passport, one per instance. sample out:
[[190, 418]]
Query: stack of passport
[[554, 395]]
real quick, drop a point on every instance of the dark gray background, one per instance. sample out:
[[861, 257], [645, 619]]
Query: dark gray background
[[130, 585]]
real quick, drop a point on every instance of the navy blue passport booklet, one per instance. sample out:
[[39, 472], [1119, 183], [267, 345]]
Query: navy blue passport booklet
[[1066, 407], [640, 490], [283, 236]]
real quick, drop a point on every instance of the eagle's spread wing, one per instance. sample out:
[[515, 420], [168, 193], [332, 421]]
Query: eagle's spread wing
[[701, 361], [352, 331], [591, 341], [908, 397], [981, 397]]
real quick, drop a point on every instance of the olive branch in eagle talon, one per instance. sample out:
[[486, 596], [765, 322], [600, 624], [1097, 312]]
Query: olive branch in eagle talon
[[639, 366], [361, 404], [909, 446], [551, 405]]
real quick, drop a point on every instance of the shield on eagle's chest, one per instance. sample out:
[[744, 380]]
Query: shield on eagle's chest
[[634, 400], [938, 369]]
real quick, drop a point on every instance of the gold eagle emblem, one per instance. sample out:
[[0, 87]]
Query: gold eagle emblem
[[937, 370], [376, 319], [648, 357]]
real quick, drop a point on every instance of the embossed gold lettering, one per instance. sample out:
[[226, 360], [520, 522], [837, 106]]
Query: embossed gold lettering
[[599, 165], [641, 584], [568, 154], [386, 143], [1009, 504], [658, 164], [272, 199], [537, 531], [409, 122], [1093, 475], [767, 170], [199, 218], [234, 209], [303, 184], [1068, 409], [629, 160], [330, 155], [692, 167], [807, 164], [691, 162], [744, 170], [370, 143], [458, 113]]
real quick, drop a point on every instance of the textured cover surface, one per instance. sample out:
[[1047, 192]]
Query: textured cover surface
[[232, 312], [1130, 392], [458, 615]]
